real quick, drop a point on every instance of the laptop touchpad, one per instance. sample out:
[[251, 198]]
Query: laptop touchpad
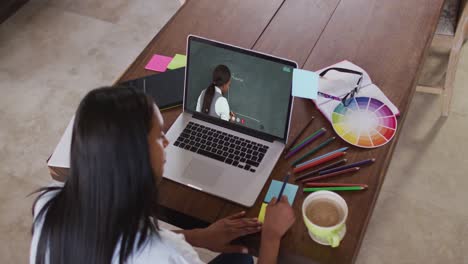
[[202, 172]]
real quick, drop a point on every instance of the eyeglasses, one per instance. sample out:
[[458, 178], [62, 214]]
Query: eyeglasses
[[348, 98]]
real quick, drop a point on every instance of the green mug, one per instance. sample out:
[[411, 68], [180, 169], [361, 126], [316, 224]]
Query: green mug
[[330, 235]]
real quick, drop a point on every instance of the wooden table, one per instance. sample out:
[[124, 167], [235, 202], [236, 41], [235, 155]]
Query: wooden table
[[389, 39]]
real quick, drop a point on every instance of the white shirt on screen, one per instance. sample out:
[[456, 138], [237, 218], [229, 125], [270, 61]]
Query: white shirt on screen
[[221, 105]]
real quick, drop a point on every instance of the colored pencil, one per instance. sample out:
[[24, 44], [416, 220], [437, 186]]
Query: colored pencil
[[299, 135], [322, 156], [306, 142], [350, 188], [326, 167], [318, 162], [333, 174], [314, 150], [306, 139], [285, 181], [326, 184], [356, 164]]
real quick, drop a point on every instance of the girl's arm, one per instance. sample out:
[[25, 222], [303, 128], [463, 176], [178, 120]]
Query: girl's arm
[[218, 236], [279, 217]]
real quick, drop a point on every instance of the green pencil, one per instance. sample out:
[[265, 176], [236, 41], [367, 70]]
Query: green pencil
[[307, 138], [351, 188], [319, 147]]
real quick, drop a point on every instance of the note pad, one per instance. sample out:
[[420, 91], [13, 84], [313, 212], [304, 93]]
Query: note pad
[[290, 191], [178, 61], [275, 187], [305, 84], [158, 63]]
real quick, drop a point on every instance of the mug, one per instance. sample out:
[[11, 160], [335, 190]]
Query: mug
[[331, 235]]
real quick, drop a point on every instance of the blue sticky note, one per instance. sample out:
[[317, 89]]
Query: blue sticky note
[[305, 84], [275, 187]]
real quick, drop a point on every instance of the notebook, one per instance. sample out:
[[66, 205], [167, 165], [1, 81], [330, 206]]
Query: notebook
[[339, 84], [167, 89]]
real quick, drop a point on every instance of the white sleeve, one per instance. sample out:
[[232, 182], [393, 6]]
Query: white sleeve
[[168, 248], [222, 108], [47, 196], [198, 109]]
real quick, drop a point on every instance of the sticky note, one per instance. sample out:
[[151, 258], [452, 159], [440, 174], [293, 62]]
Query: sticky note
[[178, 61], [158, 63], [275, 187], [261, 215], [305, 84]]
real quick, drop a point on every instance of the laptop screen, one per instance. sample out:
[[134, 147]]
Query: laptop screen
[[239, 87]]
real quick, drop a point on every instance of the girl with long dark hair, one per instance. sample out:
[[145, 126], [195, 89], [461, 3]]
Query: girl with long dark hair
[[211, 100], [106, 211]]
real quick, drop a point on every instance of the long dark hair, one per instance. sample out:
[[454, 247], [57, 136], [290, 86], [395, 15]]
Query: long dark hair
[[110, 195], [221, 76]]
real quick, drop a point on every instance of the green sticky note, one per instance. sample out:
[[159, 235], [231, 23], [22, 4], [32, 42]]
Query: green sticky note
[[178, 61], [290, 191]]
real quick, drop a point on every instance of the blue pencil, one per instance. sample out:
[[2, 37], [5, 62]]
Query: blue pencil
[[322, 156], [285, 181]]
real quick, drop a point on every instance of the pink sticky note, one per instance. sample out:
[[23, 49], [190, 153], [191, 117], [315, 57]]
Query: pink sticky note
[[158, 63]]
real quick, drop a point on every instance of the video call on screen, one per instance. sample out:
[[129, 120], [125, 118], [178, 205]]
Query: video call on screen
[[259, 90]]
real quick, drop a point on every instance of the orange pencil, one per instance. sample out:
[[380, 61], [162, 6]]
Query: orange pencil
[[318, 162], [325, 176], [326, 184]]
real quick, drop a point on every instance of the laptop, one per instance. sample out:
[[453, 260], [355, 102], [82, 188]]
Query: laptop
[[230, 150]]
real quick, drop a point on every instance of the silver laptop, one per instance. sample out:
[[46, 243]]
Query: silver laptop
[[228, 145]]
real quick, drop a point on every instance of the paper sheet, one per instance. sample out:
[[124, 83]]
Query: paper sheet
[[61, 155], [339, 84]]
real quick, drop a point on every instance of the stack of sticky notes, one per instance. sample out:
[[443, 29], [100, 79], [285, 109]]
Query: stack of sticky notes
[[160, 63], [290, 191]]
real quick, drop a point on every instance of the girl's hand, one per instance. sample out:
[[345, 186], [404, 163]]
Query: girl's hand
[[232, 115], [217, 236], [279, 217]]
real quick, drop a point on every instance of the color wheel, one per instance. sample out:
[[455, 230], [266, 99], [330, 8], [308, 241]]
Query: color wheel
[[365, 122]]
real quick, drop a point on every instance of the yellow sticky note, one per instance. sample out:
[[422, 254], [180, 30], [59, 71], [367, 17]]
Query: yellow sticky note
[[178, 61], [261, 215]]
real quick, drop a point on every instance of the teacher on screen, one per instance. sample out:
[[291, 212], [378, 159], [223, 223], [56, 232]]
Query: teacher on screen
[[211, 100]]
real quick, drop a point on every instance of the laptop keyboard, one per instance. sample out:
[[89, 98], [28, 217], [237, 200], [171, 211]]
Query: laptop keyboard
[[221, 146]]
